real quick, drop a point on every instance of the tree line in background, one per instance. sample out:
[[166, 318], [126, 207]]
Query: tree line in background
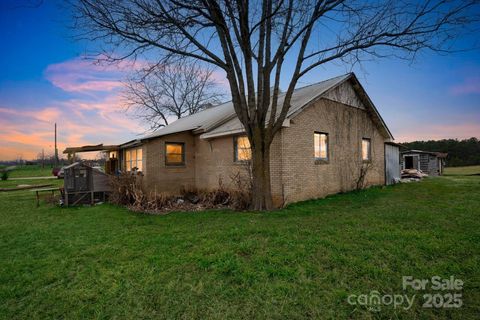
[[460, 152]]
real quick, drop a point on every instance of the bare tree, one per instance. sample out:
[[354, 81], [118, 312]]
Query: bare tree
[[261, 42], [166, 91], [365, 168]]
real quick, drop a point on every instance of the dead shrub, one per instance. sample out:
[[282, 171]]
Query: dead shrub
[[242, 188], [158, 200], [241, 200], [190, 194], [127, 191], [361, 178]]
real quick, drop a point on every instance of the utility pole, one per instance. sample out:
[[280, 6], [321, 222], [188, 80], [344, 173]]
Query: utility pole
[[56, 150]]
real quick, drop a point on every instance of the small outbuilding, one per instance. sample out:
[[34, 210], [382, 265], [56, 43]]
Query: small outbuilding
[[112, 164], [84, 184], [431, 163]]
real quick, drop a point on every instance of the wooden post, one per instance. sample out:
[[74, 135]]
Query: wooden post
[[56, 150]]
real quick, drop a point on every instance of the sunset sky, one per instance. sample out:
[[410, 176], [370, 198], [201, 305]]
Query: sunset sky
[[44, 79]]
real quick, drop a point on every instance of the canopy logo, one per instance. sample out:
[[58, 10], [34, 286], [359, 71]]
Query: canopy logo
[[374, 300], [446, 294]]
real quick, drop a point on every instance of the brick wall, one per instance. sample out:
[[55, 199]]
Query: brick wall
[[163, 178], [295, 175], [215, 163], [302, 177]]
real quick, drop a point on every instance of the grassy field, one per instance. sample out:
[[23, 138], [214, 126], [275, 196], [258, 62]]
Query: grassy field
[[461, 171], [300, 262], [30, 171]]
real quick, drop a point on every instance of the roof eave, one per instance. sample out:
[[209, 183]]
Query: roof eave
[[371, 104], [318, 96], [358, 87]]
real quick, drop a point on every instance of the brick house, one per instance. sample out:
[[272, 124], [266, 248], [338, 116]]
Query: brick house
[[332, 130]]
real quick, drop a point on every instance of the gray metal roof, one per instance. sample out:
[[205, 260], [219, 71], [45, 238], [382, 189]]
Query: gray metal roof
[[433, 153], [300, 98], [222, 120], [129, 144], [202, 120]]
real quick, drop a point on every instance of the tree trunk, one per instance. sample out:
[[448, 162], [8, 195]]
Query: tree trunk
[[261, 187]]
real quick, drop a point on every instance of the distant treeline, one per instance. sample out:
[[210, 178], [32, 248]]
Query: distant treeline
[[460, 152]]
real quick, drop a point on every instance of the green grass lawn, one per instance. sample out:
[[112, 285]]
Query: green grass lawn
[[300, 262], [460, 171], [31, 171]]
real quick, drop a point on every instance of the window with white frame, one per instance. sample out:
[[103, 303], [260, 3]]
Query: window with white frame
[[134, 159], [321, 145], [366, 149]]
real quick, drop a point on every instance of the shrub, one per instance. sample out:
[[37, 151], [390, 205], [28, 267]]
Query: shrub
[[4, 175], [220, 197], [127, 190], [124, 187], [241, 200]]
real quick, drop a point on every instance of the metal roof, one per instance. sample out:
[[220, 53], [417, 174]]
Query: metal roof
[[433, 153], [303, 97], [97, 147], [130, 144], [214, 116], [222, 120], [202, 120]]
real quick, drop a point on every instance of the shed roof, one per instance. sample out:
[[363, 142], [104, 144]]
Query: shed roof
[[72, 165], [433, 153], [83, 164], [97, 147]]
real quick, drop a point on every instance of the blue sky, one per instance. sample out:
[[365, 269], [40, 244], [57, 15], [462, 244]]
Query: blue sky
[[44, 79]]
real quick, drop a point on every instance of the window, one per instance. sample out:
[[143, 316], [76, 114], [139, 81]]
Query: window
[[134, 159], [321, 145], [242, 151], [174, 153], [366, 149]]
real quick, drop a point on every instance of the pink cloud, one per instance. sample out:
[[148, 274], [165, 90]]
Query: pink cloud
[[95, 114], [27, 132], [469, 86], [427, 131], [80, 75], [220, 78]]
